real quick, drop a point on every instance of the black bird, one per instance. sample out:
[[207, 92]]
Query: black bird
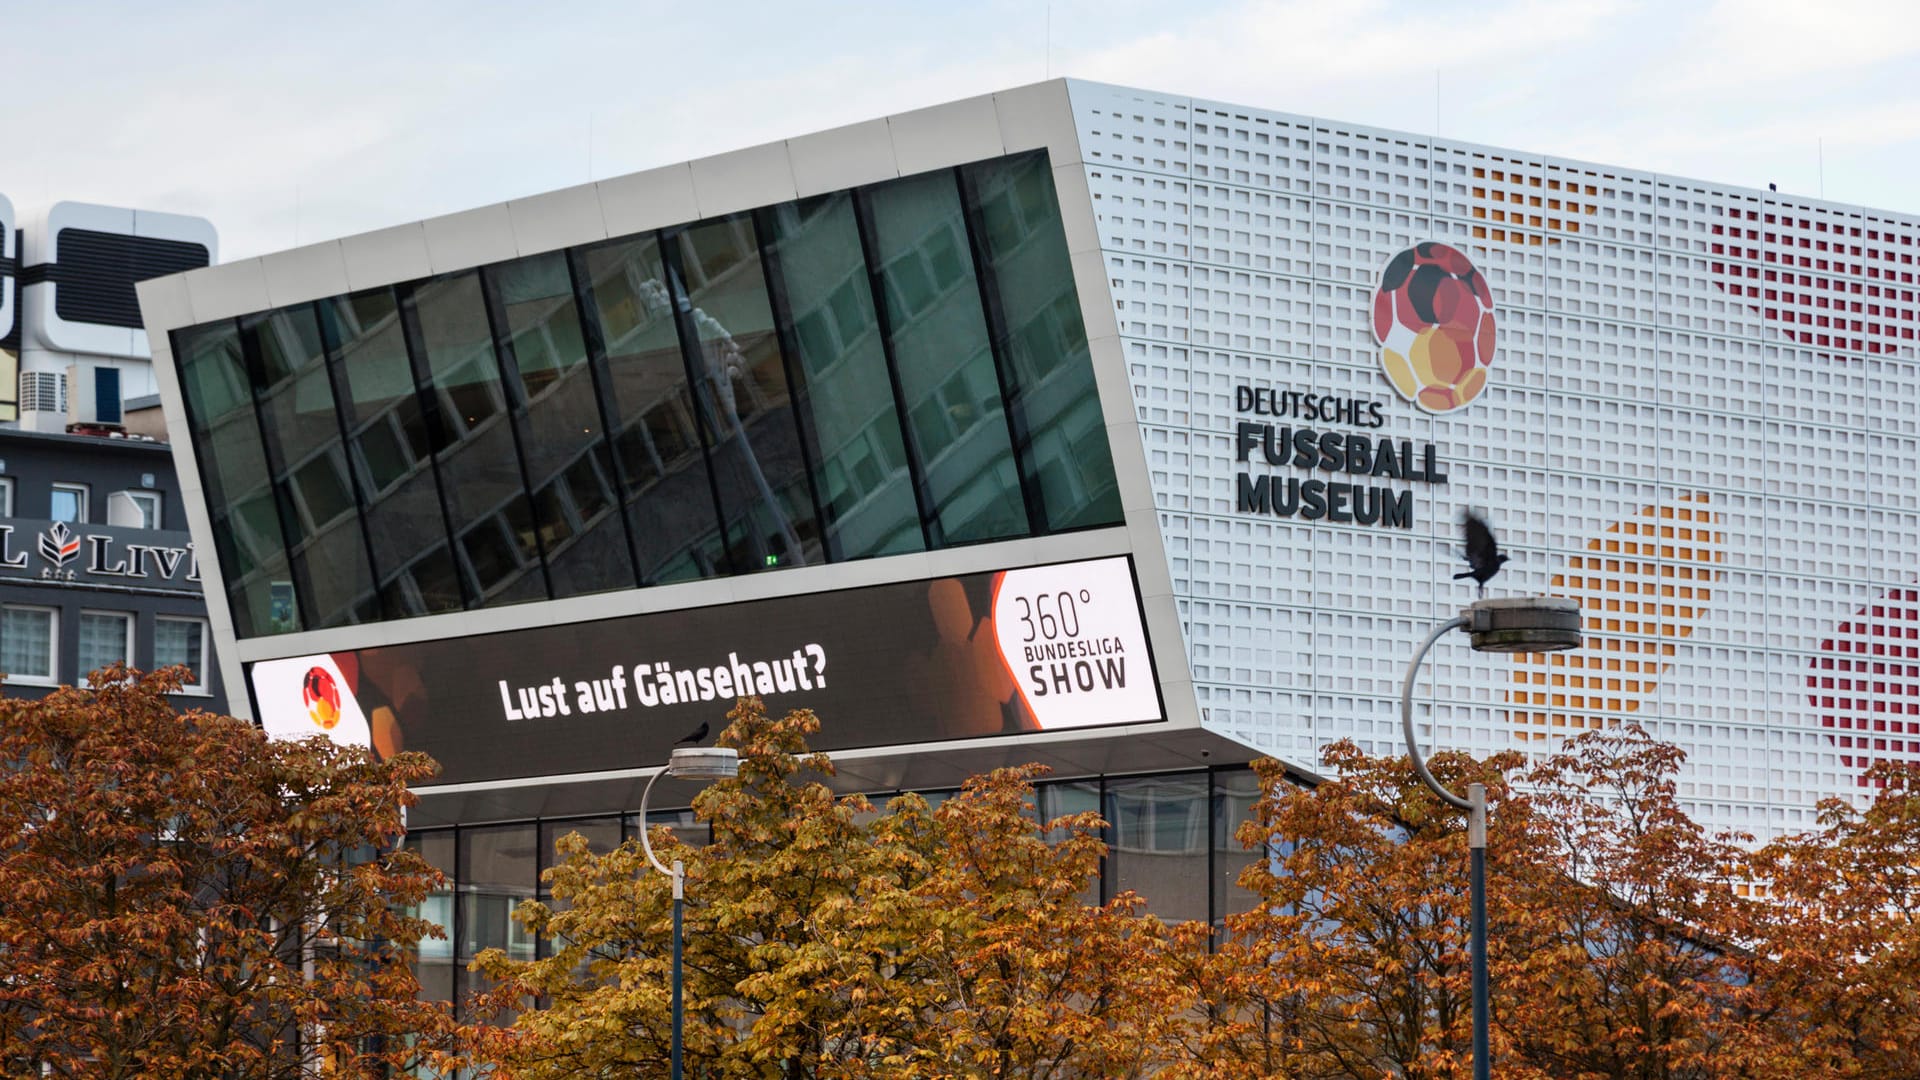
[[1483, 551], [693, 737]]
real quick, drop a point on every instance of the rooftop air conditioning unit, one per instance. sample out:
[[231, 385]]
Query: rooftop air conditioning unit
[[93, 395], [43, 391]]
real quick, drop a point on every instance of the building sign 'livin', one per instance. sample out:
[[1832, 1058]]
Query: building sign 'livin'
[[53, 553]]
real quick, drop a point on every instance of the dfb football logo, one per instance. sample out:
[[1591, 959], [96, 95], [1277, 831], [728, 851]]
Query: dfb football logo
[[1433, 317]]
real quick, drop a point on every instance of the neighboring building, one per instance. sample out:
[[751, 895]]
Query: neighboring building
[[96, 564], [81, 350], [1112, 429]]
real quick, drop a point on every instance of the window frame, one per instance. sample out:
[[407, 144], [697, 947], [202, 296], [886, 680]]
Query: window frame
[[6, 496], [200, 687], [149, 499], [84, 491], [52, 677], [127, 618]]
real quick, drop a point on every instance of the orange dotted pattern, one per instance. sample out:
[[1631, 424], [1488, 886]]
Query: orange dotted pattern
[[1642, 586], [1524, 207]]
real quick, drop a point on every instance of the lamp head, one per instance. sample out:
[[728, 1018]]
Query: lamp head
[[1528, 624], [704, 763]]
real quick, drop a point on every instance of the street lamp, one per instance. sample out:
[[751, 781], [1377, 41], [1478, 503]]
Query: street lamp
[[687, 763], [1525, 624]]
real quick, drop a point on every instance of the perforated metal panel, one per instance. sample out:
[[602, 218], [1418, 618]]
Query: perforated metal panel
[[1701, 418]]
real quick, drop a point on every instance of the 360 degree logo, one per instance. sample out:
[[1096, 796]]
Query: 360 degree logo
[[1433, 317], [321, 697]]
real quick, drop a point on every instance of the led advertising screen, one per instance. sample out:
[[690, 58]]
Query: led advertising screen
[[1032, 649]]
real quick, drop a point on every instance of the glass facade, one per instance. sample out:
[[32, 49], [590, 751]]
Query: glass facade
[[1169, 837], [895, 368]]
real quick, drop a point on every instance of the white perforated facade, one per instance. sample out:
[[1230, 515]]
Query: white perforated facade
[[1700, 419]]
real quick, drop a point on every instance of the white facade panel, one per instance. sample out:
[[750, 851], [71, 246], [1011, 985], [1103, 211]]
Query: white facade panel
[[1699, 419]]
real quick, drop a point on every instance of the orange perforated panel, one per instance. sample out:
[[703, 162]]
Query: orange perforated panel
[[1642, 585]]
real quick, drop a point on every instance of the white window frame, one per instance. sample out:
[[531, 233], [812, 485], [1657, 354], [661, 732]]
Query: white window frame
[[86, 496], [6, 496], [127, 617], [149, 503], [206, 650], [52, 677]]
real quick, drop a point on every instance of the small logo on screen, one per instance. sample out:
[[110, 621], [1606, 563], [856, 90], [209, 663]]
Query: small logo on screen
[[321, 696]]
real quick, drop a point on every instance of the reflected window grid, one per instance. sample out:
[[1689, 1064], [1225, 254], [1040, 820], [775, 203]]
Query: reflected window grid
[[508, 400]]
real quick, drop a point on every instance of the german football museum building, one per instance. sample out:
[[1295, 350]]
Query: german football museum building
[[1115, 430]]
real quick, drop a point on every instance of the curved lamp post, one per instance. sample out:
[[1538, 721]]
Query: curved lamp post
[[1526, 624], [687, 763]]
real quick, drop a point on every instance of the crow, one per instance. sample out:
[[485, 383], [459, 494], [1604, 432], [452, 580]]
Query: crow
[[693, 737], [1483, 552]]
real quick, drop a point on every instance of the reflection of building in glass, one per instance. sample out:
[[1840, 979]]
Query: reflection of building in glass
[[896, 368]]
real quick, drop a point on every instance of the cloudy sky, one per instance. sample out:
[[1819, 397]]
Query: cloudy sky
[[293, 125]]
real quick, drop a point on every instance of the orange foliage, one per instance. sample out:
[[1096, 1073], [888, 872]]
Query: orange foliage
[[185, 898], [828, 939]]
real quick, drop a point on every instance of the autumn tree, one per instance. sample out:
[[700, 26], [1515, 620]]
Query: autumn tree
[[1839, 940], [1354, 962], [769, 982], [1014, 974], [185, 898], [1617, 932], [824, 939], [828, 939], [1625, 951]]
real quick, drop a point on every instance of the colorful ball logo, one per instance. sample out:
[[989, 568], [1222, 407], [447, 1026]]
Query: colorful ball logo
[[321, 697], [1433, 317]]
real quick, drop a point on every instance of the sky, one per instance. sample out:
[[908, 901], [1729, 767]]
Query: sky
[[288, 124]]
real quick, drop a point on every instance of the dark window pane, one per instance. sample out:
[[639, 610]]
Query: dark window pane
[[1234, 793], [252, 548], [1160, 835], [326, 545], [498, 869], [584, 538], [433, 963], [757, 464], [685, 827], [666, 487], [1051, 378], [478, 458], [391, 449], [952, 392], [1054, 801], [844, 390], [602, 834]]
